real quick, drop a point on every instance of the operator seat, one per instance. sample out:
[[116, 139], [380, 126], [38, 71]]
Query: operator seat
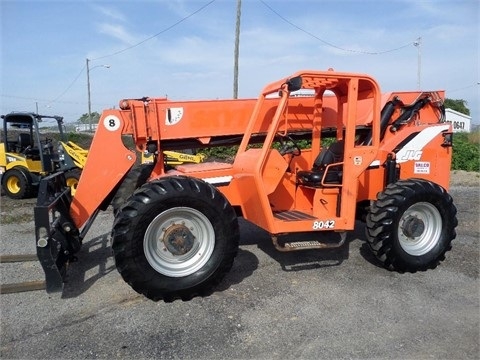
[[329, 155], [25, 146], [24, 141]]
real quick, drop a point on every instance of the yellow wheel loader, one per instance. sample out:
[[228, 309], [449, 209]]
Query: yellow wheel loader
[[173, 158], [27, 155]]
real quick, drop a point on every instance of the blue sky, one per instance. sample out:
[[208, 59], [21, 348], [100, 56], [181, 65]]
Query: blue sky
[[44, 46]]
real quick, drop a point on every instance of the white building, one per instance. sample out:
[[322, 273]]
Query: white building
[[460, 122], [85, 127]]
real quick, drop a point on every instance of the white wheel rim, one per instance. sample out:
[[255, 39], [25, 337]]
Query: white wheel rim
[[420, 228], [179, 241]]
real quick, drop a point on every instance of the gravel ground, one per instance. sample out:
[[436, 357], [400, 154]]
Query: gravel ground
[[304, 305]]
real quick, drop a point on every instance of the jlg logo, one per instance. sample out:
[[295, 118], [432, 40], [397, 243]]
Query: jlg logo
[[412, 155]]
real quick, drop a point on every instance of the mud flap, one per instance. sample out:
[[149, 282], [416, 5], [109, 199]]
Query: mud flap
[[57, 238]]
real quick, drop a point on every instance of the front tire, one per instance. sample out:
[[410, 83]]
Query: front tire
[[175, 238], [17, 183], [411, 225]]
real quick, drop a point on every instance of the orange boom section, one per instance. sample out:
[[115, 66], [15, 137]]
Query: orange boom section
[[176, 125]]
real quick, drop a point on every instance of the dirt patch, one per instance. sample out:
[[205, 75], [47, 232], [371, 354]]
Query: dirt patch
[[464, 178], [16, 211]]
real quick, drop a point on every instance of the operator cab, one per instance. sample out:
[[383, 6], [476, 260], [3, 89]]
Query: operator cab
[[18, 134], [21, 135]]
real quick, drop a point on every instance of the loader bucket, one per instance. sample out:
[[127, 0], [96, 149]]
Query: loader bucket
[[57, 238]]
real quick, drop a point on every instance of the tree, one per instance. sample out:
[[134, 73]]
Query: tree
[[84, 118], [459, 105]]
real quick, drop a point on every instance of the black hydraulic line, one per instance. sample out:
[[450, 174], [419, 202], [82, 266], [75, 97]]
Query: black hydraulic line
[[409, 112]]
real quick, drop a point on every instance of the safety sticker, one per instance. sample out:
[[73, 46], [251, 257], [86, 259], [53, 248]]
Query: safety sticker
[[421, 167], [173, 115]]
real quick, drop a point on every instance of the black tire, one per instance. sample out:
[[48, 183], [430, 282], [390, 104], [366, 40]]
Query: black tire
[[17, 183], [135, 178], [176, 238], [72, 178], [411, 225]]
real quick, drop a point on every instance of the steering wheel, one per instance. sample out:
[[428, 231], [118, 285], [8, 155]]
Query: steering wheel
[[27, 150], [46, 141], [288, 146]]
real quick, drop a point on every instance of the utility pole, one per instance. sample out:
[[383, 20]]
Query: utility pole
[[237, 44], [88, 92], [418, 45], [89, 102]]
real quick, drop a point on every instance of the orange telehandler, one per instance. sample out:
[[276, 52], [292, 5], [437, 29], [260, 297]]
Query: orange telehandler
[[176, 234]]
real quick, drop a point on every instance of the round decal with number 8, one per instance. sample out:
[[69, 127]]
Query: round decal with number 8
[[111, 123]]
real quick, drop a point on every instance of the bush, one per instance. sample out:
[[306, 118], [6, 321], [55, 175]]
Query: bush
[[466, 152], [226, 153], [81, 139]]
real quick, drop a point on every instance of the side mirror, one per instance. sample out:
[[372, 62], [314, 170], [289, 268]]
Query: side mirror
[[294, 84]]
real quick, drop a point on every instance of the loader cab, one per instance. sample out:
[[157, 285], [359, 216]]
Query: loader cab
[[26, 155], [314, 186], [15, 141], [22, 141]]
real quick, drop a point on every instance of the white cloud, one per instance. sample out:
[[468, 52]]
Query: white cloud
[[118, 32], [110, 12], [177, 6]]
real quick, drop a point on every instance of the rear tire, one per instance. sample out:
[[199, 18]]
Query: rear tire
[[176, 238], [411, 225], [72, 178], [17, 183]]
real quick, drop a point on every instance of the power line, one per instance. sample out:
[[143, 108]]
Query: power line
[[128, 48], [69, 86], [159, 33], [464, 88], [48, 101], [329, 43]]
